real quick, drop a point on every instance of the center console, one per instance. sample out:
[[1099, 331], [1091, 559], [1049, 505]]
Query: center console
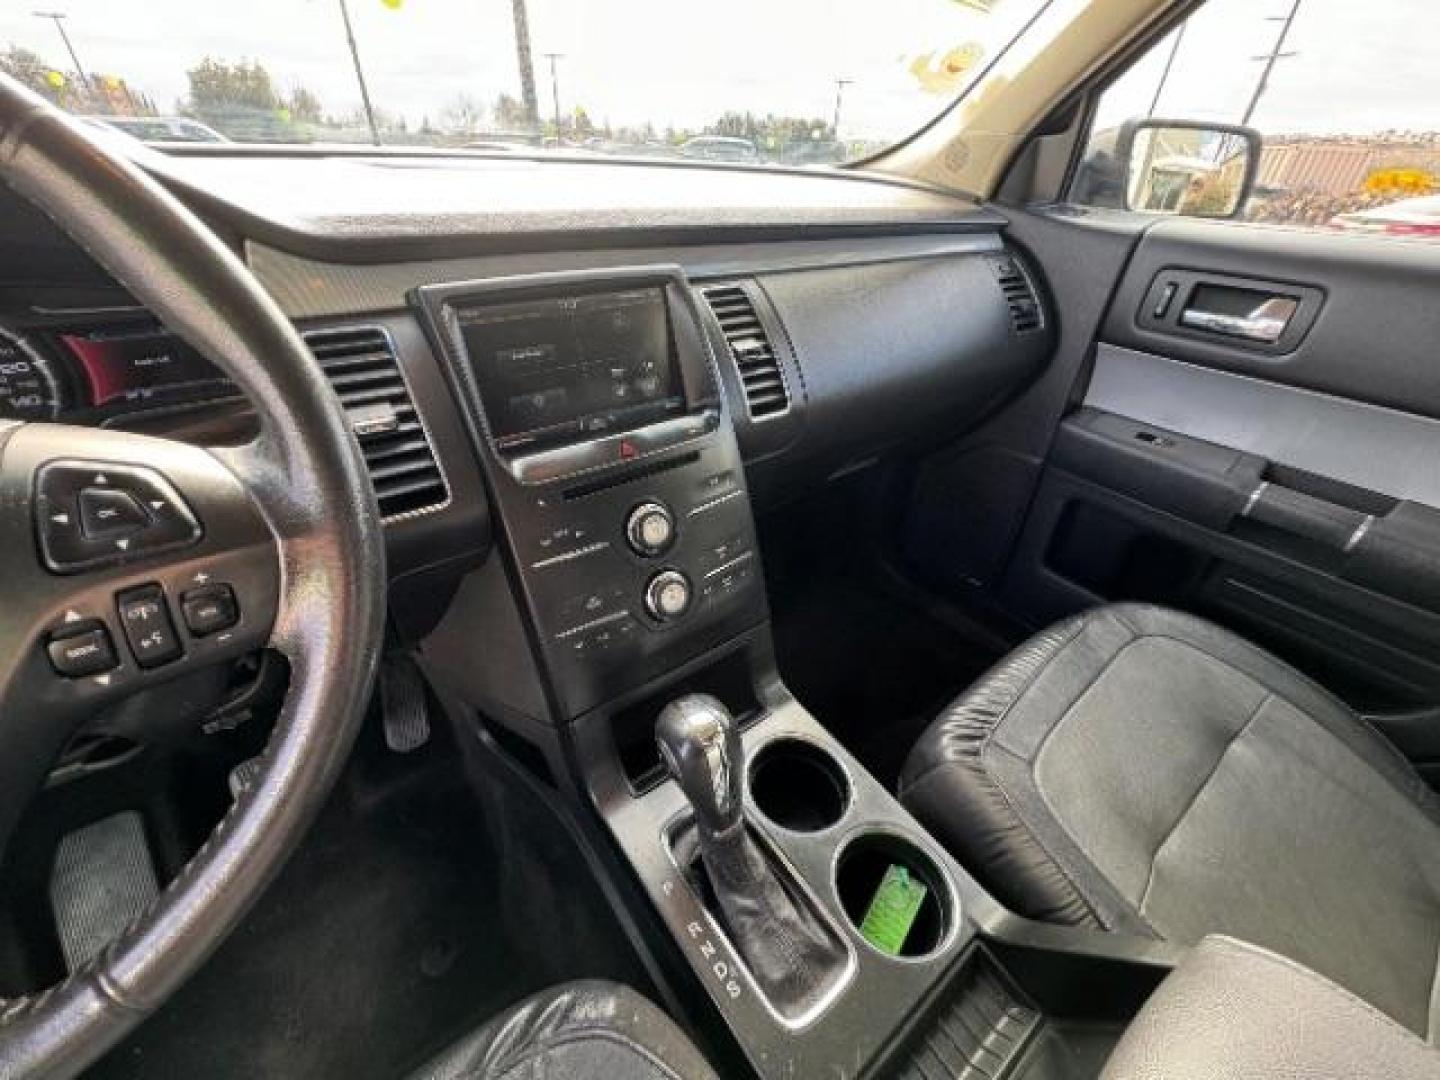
[[596, 408], [831, 932], [833, 837]]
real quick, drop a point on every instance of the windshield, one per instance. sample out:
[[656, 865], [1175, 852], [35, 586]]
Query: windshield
[[793, 82]]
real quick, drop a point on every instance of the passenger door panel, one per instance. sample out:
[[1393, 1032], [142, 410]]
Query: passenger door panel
[[1291, 492]]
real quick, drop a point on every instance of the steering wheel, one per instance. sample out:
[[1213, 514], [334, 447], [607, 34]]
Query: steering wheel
[[288, 522]]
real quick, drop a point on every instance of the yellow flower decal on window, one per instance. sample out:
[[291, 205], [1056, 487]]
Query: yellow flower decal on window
[[946, 74]]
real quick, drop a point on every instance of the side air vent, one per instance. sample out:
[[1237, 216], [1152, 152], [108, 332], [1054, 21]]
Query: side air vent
[[360, 363], [750, 348], [1025, 313]]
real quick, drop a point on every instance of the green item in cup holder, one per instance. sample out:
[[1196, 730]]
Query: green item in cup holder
[[892, 910]]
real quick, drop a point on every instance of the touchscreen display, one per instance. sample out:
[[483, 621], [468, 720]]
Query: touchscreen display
[[561, 367]]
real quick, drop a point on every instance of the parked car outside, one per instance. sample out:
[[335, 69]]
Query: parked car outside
[[160, 128], [1407, 217], [720, 148]]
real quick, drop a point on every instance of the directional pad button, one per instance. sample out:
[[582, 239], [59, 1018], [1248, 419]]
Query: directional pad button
[[91, 514]]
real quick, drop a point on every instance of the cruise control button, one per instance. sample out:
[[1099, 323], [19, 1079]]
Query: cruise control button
[[209, 610], [146, 622], [106, 513], [84, 649]]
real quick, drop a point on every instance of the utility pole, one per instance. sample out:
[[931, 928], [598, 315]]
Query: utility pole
[[527, 63], [840, 85], [554, 58], [1169, 63], [1277, 53], [359, 73], [58, 18]]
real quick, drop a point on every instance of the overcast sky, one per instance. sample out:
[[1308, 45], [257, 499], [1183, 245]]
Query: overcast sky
[[1361, 66], [669, 61]]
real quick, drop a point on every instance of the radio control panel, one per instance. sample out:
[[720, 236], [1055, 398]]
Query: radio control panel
[[614, 467], [634, 578]]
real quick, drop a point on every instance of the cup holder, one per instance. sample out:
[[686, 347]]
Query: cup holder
[[859, 872], [798, 786]]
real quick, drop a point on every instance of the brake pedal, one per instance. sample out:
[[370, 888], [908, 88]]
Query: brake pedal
[[402, 700], [102, 880]]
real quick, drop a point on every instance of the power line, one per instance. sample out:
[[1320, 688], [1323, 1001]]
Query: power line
[[1277, 53], [1169, 63]]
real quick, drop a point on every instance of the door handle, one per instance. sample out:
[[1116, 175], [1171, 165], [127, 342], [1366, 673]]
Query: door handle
[[1265, 324]]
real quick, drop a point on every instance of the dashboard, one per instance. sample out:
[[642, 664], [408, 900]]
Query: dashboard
[[647, 367]]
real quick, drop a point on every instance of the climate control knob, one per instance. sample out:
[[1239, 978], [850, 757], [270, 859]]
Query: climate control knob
[[650, 529], [668, 595]]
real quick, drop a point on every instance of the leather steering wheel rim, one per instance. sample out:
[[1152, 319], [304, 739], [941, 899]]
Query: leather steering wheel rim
[[306, 477]]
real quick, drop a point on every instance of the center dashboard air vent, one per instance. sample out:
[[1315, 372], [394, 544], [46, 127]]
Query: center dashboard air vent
[[361, 365], [750, 349], [1026, 315]]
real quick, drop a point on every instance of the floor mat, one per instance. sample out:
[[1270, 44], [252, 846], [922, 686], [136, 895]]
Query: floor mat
[[419, 906]]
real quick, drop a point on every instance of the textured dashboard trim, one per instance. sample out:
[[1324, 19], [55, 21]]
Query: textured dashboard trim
[[310, 288], [387, 207]]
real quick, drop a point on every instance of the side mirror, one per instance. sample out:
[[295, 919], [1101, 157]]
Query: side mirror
[[1194, 168]]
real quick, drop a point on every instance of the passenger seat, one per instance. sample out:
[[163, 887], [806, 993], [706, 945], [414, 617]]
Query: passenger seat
[[1137, 769]]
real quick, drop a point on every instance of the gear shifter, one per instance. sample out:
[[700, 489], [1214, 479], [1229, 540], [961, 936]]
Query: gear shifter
[[792, 953], [702, 752]]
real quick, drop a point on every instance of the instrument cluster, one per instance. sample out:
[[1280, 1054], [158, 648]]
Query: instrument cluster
[[93, 375]]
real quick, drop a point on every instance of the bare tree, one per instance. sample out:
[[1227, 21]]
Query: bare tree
[[464, 114]]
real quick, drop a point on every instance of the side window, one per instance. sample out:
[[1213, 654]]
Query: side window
[[1339, 99]]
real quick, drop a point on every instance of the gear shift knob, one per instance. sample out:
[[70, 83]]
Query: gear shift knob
[[702, 752]]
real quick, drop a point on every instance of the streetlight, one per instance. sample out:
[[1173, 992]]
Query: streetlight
[[359, 73], [554, 57], [840, 85], [58, 18]]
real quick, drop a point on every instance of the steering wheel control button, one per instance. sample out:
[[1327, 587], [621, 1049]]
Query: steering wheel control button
[[108, 513], [668, 595], [145, 618], [209, 610], [92, 513], [650, 529], [82, 649]]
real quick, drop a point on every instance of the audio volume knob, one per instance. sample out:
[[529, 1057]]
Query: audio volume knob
[[650, 529], [668, 595]]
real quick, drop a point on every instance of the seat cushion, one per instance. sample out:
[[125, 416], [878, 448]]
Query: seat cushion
[[578, 1031], [1138, 769], [1232, 1011]]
